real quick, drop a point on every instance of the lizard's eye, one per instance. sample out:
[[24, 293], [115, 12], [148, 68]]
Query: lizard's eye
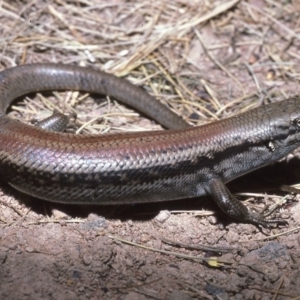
[[297, 122]]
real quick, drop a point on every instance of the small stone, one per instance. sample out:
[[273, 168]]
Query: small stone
[[163, 216]]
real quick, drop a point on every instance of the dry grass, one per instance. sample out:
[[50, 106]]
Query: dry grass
[[205, 59]]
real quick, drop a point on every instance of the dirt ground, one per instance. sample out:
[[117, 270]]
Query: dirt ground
[[206, 60]]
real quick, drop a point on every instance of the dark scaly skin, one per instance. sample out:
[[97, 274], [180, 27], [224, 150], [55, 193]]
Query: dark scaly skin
[[137, 167]]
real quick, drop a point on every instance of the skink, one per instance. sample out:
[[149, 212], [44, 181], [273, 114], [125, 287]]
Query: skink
[[138, 167]]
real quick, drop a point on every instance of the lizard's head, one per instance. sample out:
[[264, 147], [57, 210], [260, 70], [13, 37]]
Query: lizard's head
[[284, 122]]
